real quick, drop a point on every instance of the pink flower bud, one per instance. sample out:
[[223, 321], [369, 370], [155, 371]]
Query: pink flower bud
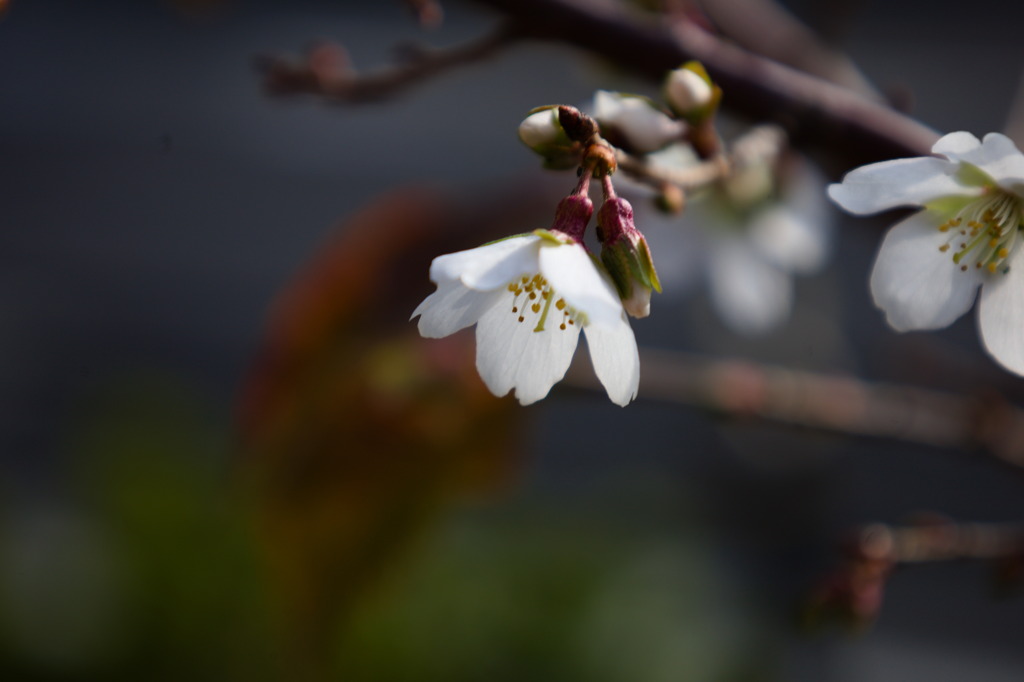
[[626, 256]]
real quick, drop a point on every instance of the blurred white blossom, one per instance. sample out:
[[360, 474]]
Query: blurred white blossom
[[747, 237]]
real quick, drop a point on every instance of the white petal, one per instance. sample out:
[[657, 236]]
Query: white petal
[[916, 285], [751, 295], [901, 182], [616, 360], [997, 155], [489, 266], [796, 234], [451, 308], [510, 355], [1001, 315], [540, 129], [573, 276], [646, 128], [954, 144], [788, 240]]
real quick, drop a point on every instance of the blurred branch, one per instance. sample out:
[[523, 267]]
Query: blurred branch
[[688, 178], [814, 111], [854, 591], [766, 28], [939, 539], [1014, 127], [989, 424], [429, 13], [760, 144], [327, 71]]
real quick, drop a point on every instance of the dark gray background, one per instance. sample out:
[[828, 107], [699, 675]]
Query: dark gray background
[[153, 200]]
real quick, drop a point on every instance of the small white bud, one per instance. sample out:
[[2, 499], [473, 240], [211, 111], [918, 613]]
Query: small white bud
[[541, 130], [686, 91]]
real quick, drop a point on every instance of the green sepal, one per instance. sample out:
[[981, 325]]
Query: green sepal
[[511, 236], [630, 265], [549, 236], [972, 176]]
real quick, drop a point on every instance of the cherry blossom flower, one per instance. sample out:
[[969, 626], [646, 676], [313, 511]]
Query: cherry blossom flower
[[746, 237], [930, 265], [529, 296]]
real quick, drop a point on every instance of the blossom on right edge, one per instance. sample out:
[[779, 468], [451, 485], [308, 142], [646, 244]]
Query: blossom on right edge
[[930, 265]]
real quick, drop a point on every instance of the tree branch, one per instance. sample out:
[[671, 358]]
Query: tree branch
[[814, 112], [990, 426], [326, 71], [854, 591]]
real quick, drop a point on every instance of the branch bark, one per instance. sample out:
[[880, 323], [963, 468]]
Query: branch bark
[[988, 426], [815, 112]]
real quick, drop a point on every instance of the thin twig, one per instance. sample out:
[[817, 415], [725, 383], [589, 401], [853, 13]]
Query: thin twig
[[939, 539], [855, 590], [689, 178], [333, 79], [832, 402], [759, 145]]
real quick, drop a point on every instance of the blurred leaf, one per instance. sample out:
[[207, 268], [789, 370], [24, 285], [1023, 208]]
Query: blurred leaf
[[354, 432]]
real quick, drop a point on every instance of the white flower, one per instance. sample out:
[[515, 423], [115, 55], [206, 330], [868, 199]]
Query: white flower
[[931, 264], [529, 296], [637, 120], [747, 244]]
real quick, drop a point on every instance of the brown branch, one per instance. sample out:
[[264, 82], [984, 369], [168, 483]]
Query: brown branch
[[326, 71], [989, 426], [766, 28], [939, 539], [759, 145], [815, 112], [687, 179], [854, 591]]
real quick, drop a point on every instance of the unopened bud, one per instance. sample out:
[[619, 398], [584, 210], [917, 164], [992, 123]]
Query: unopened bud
[[572, 215], [577, 125], [690, 92], [542, 132], [671, 199], [626, 256]]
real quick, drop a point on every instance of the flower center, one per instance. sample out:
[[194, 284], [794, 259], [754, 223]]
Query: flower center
[[533, 297], [984, 232]]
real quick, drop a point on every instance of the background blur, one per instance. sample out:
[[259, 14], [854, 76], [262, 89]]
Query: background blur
[[224, 454]]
